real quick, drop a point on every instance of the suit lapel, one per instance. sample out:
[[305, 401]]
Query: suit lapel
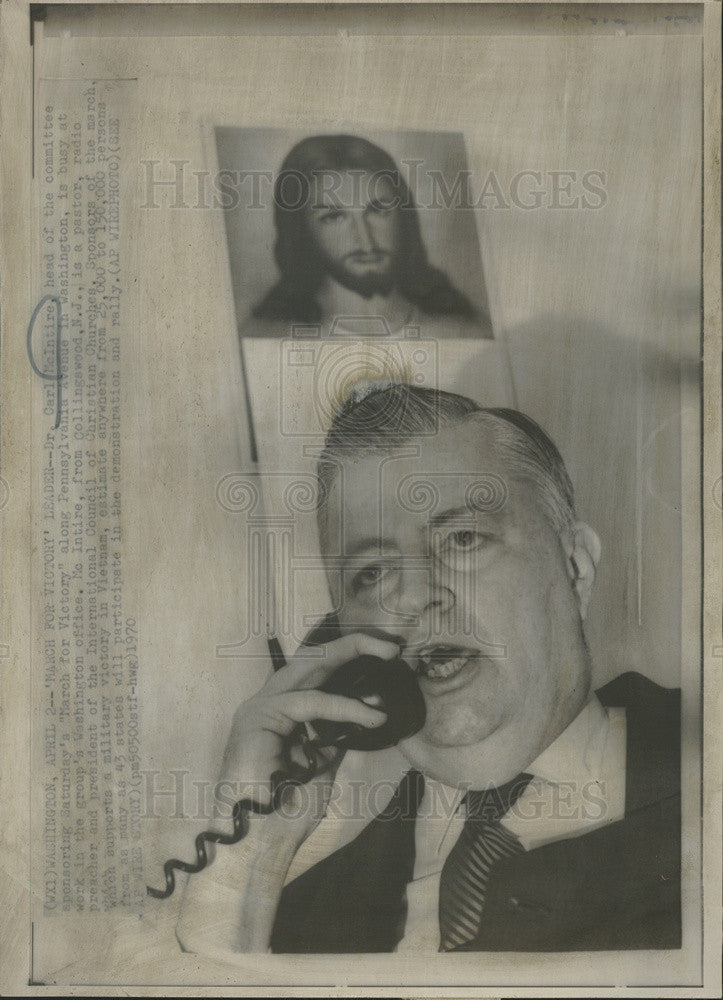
[[354, 900], [617, 887]]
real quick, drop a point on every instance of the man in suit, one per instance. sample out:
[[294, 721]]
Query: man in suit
[[537, 815]]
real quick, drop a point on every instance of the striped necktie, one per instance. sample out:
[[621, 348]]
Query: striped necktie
[[482, 843]]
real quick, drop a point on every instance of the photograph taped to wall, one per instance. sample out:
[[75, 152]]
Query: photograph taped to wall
[[365, 422], [402, 188]]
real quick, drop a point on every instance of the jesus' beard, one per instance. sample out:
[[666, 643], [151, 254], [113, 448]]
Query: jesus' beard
[[366, 284]]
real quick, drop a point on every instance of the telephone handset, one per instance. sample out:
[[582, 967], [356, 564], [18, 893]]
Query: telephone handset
[[389, 685]]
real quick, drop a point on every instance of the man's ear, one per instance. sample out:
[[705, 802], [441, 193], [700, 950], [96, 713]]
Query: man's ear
[[582, 550]]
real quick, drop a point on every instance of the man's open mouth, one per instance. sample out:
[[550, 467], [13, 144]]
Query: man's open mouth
[[439, 662]]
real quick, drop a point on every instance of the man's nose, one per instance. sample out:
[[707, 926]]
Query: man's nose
[[422, 596], [363, 235]]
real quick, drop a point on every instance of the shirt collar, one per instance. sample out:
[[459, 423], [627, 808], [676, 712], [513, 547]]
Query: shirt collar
[[577, 753]]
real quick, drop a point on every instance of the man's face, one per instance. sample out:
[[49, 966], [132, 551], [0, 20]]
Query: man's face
[[353, 221], [472, 576]]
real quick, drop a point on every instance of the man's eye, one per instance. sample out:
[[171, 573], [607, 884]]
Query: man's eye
[[370, 576], [465, 540], [460, 543], [331, 216]]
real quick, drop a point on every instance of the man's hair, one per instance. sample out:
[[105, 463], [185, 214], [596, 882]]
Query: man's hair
[[389, 417], [301, 272]]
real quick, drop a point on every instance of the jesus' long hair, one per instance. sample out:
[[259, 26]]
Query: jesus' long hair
[[301, 270]]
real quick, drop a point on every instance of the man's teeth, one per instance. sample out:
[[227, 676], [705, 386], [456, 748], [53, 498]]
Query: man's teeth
[[431, 666]]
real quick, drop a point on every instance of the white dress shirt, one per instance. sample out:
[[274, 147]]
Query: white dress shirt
[[578, 785]]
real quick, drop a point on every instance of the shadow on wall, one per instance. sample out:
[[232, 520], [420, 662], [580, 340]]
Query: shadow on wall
[[612, 404]]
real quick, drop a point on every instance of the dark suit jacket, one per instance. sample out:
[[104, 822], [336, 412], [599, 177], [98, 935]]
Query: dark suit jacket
[[615, 888]]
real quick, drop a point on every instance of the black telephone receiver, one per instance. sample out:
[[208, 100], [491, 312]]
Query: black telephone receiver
[[389, 685]]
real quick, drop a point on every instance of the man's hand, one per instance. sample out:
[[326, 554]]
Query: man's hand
[[231, 904], [289, 697]]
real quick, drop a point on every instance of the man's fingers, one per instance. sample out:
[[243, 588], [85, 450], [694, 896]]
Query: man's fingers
[[305, 706], [312, 665]]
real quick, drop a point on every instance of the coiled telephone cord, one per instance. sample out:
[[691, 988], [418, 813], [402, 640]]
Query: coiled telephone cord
[[292, 775]]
